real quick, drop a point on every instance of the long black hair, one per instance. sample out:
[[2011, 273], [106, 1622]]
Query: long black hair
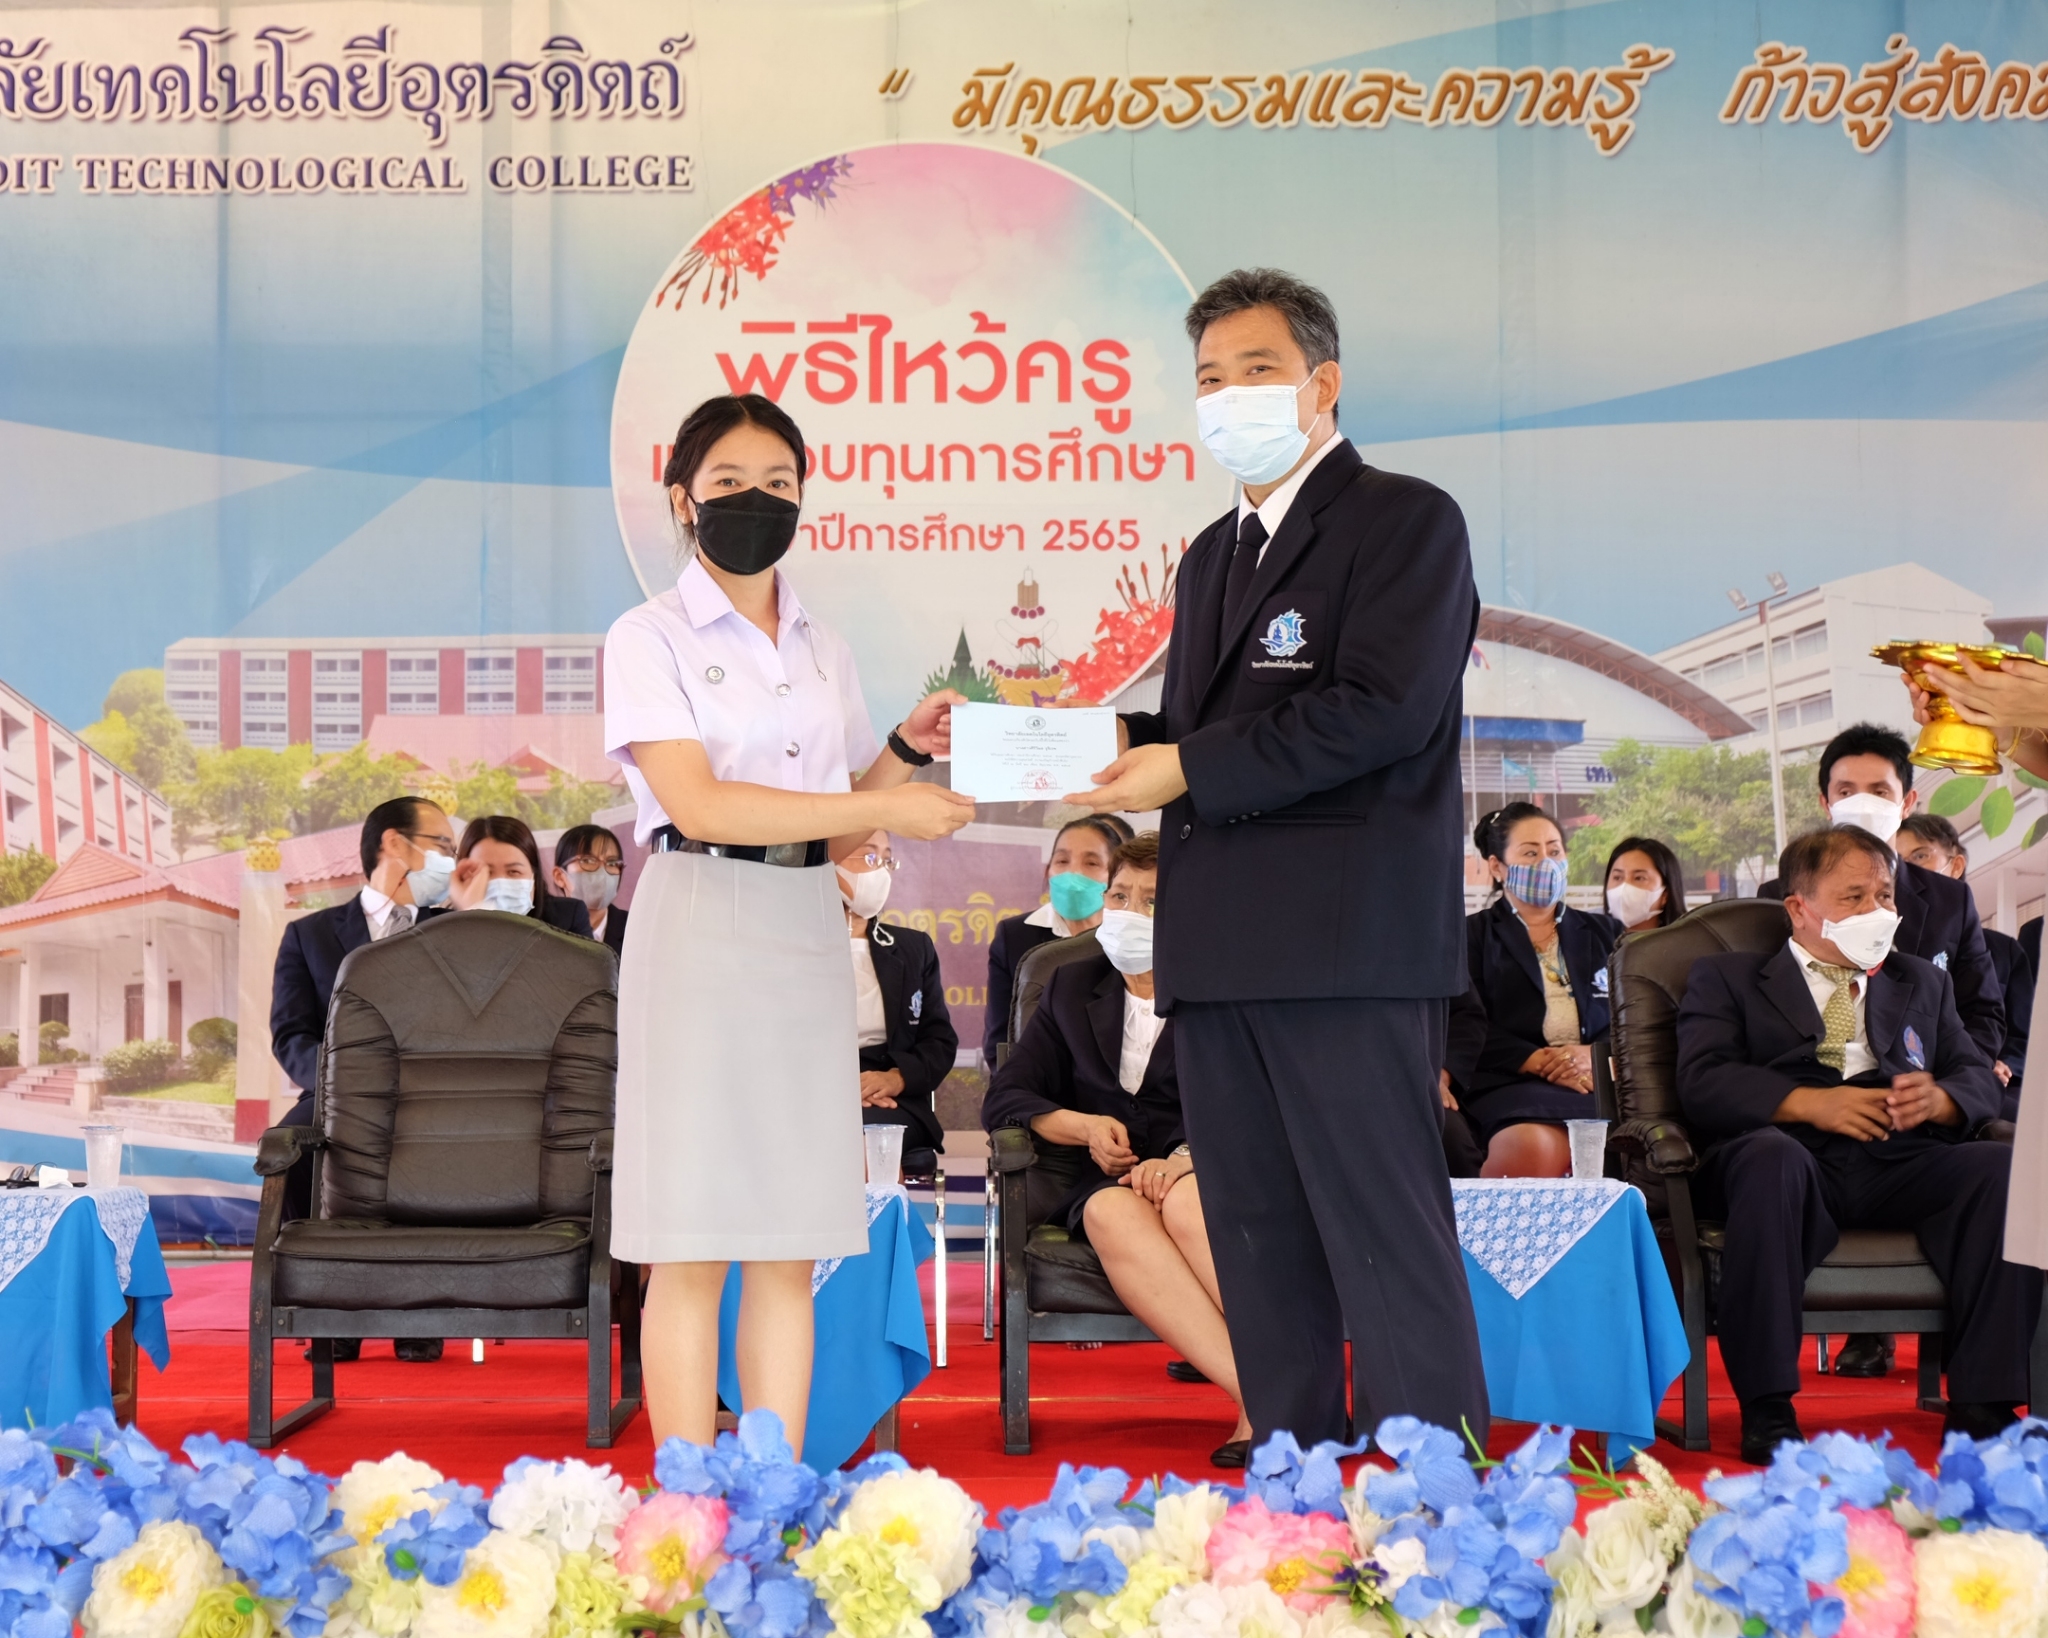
[[1666, 865]]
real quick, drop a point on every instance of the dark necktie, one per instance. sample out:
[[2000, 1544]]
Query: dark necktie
[[1244, 563], [400, 919]]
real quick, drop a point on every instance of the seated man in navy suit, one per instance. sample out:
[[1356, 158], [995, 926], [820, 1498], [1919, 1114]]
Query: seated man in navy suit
[[1093, 1078], [1835, 1087], [408, 854]]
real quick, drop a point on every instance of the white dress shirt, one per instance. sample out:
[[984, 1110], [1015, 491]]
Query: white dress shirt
[[1141, 1032], [688, 665], [871, 1018], [377, 910], [1273, 509], [1857, 1058], [1046, 916]]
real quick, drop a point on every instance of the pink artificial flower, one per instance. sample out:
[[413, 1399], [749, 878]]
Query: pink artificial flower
[[676, 1543], [1878, 1585], [1290, 1552]]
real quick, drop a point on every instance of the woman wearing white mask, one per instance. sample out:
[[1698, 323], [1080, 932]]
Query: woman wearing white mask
[[498, 868], [1645, 884], [589, 865], [1093, 1078], [907, 1040], [1541, 970]]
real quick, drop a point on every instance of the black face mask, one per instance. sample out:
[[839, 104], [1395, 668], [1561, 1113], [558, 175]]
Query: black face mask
[[746, 532]]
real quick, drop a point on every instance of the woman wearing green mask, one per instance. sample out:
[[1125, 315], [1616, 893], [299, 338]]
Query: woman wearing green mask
[[1076, 876]]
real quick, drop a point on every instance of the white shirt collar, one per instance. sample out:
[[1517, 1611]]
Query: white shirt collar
[[377, 907], [704, 599], [1273, 509], [1046, 916]]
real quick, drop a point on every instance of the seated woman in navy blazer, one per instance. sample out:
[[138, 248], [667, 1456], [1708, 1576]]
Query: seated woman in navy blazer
[[907, 1040], [1076, 875], [1541, 970], [1093, 1079]]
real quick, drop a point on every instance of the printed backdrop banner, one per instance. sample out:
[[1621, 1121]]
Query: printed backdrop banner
[[342, 346]]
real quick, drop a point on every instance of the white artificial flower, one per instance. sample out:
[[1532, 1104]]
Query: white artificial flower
[[1674, 1512], [506, 1589], [1181, 1526], [1624, 1562], [567, 1506], [931, 1515], [1993, 1584], [1571, 1606], [1127, 1541], [1012, 1620], [372, 1496], [148, 1589], [1366, 1526], [1202, 1609], [1910, 1518], [1340, 1620], [1400, 1561], [1689, 1613]]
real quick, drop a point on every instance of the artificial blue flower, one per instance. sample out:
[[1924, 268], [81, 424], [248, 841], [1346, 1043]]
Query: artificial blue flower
[[1779, 1533], [2000, 1482], [769, 1602], [272, 1522], [1433, 1471], [433, 1544], [768, 1492], [1038, 1552], [1290, 1480]]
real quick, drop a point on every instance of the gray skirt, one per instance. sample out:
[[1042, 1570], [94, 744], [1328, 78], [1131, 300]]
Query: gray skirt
[[738, 1124]]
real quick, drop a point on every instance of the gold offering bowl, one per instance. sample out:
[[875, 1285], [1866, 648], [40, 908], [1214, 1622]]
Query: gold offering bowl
[[1948, 741]]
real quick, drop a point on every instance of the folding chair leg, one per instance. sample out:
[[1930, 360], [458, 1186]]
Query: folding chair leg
[[266, 1428], [990, 1218], [886, 1429], [1930, 1373], [939, 1264]]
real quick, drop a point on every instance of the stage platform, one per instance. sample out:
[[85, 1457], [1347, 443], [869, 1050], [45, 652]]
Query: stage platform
[[1107, 1405]]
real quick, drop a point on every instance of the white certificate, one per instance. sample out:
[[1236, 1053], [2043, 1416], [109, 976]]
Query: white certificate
[[1024, 753]]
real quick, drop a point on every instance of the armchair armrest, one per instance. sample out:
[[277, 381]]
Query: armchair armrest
[[601, 1151], [1010, 1149], [1663, 1145], [1995, 1131], [280, 1147]]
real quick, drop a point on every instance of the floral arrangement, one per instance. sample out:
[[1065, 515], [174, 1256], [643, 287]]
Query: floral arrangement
[[748, 238], [1127, 638], [1839, 1538]]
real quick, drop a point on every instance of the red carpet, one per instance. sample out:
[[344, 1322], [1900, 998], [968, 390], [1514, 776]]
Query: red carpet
[[1111, 1405]]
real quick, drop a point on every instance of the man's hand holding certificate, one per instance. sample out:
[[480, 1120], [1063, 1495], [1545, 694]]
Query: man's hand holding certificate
[[1020, 753]]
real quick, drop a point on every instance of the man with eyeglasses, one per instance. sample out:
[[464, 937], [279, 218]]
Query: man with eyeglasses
[[589, 865], [408, 855]]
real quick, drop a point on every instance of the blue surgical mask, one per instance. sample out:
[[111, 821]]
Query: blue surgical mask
[[1075, 897], [429, 883], [1254, 432], [1125, 937], [511, 894], [1539, 885]]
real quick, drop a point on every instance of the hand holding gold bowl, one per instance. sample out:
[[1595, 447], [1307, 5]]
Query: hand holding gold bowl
[[1960, 708]]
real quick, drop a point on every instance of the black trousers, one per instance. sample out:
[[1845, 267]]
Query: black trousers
[[1785, 1206], [1314, 1128]]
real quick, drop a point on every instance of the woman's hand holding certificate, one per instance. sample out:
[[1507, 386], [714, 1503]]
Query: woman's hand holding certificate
[[1018, 753]]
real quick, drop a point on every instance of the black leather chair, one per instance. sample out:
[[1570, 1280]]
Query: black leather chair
[[462, 1143], [1873, 1280], [1052, 1285]]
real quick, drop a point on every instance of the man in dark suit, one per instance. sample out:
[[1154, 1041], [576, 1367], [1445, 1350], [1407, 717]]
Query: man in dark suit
[[1931, 842], [408, 855], [1866, 780], [589, 864], [1306, 757], [1835, 1087]]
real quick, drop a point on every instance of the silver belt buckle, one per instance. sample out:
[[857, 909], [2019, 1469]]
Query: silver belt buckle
[[788, 854]]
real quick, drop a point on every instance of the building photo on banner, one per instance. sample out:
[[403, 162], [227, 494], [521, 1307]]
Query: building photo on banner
[[346, 345]]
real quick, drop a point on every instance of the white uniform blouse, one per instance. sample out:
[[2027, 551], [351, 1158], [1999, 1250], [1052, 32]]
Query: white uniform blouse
[[688, 665]]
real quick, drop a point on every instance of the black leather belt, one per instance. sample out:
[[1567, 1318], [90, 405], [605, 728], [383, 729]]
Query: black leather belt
[[794, 855]]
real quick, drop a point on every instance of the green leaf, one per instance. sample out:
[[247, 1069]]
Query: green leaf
[[2032, 779], [1996, 814], [1952, 796], [2035, 644], [2035, 832]]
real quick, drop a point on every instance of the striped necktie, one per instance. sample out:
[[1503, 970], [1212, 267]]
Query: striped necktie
[[398, 921], [1839, 1015]]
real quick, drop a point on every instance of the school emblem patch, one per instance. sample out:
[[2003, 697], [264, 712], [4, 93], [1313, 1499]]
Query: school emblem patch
[[1285, 636]]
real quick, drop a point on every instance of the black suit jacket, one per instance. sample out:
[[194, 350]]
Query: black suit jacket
[[1319, 736], [1464, 1038], [1015, 938], [614, 929], [922, 1042], [556, 909], [2016, 978], [2030, 941], [1509, 982], [302, 984], [1938, 923], [1748, 1031]]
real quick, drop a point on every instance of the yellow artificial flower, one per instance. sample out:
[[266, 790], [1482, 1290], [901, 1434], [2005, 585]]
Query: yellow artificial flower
[[150, 1588], [1993, 1584]]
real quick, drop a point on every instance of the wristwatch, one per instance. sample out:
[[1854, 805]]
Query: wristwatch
[[1180, 1152]]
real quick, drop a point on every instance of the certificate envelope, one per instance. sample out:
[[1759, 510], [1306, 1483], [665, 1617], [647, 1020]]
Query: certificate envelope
[[1023, 753]]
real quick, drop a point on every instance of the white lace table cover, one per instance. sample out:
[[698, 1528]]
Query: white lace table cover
[[879, 1195], [29, 1216], [1516, 1228]]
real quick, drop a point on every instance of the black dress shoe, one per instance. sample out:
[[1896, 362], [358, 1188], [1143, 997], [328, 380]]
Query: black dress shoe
[[1767, 1423], [1865, 1354], [345, 1348], [1980, 1419], [1181, 1371], [417, 1350], [1231, 1454]]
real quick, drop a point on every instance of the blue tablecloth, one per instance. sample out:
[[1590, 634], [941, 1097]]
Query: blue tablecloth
[[56, 1313], [871, 1345], [1595, 1342]]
